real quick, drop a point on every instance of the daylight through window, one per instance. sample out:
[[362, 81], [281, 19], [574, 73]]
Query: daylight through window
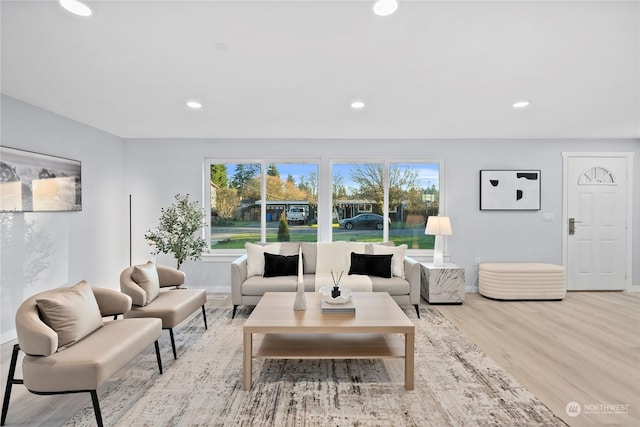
[[278, 201]]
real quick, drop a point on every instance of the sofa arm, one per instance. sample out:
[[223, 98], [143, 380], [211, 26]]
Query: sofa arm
[[131, 288], [413, 274], [238, 276], [111, 302], [170, 276], [34, 336]]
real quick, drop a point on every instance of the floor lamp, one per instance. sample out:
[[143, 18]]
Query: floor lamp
[[438, 226]]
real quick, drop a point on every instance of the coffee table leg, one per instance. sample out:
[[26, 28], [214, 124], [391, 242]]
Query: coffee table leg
[[409, 360], [247, 356]]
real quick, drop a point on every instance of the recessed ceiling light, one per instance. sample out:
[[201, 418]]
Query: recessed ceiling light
[[357, 105], [76, 7], [194, 105], [385, 7], [522, 104]]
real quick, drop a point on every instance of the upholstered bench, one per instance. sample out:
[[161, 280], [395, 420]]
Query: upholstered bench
[[147, 285], [69, 349], [522, 281]]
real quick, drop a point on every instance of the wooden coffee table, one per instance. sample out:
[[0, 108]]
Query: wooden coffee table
[[374, 332]]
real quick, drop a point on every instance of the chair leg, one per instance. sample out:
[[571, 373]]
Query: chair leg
[[158, 356], [235, 307], [10, 382], [96, 407], [204, 316], [173, 343], [417, 310]]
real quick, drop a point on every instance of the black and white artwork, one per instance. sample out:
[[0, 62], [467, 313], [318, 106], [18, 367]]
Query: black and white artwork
[[33, 182], [509, 190]]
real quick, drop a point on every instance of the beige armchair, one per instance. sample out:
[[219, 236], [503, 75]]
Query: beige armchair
[[69, 349], [147, 285]]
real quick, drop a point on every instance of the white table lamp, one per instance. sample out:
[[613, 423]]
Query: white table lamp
[[438, 226]]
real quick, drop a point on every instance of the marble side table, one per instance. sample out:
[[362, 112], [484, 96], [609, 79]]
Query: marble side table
[[442, 284]]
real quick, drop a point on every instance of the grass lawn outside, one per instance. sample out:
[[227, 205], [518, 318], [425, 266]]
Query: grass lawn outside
[[413, 240]]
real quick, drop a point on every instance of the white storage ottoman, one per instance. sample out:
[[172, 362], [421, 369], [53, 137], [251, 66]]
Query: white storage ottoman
[[522, 281]]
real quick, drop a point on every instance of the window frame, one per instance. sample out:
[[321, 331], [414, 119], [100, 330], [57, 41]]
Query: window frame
[[324, 192], [264, 165]]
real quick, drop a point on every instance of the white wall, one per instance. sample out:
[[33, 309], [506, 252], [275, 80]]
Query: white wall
[[46, 250], [176, 166], [93, 244]]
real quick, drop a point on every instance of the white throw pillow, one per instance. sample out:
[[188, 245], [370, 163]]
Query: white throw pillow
[[397, 261], [331, 257], [255, 257]]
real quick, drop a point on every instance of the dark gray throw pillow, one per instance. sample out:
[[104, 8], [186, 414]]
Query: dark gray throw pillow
[[280, 265], [371, 265]]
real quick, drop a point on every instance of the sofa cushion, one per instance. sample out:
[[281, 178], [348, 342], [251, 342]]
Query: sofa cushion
[[336, 256], [73, 313], [258, 285], [309, 256], [280, 265], [397, 261], [330, 257], [172, 306], [371, 265], [146, 276], [89, 363], [289, 248], [394, 286], [255, 257], [368, 248]]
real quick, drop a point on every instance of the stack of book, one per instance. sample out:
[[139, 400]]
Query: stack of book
[[345, 308]]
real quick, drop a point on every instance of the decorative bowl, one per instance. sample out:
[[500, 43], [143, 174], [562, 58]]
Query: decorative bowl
[[345, 295]]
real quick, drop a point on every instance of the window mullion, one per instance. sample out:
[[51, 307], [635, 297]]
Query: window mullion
[[385, 198], [263, 202]]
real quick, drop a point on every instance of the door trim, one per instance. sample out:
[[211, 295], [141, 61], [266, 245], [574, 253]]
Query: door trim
[[628, 215]]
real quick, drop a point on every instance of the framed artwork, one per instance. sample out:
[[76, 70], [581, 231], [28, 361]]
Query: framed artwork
[[507, 190], [34, 182]]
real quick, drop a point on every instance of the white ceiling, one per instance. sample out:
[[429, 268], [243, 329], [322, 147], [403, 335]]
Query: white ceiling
[[290, 69]]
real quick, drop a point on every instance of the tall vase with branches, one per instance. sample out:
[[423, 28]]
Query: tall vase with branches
[[176, 231]]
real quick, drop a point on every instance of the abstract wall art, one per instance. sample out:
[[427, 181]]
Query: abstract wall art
[[34, 182], [509, 190]]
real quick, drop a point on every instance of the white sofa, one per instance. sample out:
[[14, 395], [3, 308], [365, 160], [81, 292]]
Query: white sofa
[[248, 281]]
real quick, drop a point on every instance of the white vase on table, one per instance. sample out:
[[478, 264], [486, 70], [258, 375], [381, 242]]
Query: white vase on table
[[300, 303]]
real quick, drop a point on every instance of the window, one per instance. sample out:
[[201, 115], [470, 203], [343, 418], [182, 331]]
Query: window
[[358, 201], [292, 193], [413, 197], [410, 192], [368, 201], [241, 192]]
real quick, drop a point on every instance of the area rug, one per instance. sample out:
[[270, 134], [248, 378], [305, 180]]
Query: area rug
[[456, 384]]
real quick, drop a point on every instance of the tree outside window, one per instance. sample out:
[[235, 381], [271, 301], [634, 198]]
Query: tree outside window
[[359, 191], [237, 206]]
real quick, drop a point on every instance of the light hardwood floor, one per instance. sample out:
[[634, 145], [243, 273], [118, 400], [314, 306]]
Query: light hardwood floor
[[584, 349]]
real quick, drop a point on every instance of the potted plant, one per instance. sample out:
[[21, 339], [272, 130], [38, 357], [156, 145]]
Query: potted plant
[[176, 231]]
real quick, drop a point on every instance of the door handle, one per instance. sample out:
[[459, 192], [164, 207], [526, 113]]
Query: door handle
[[572, 225]]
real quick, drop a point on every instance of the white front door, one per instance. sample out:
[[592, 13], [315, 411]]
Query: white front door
[[596, 210]]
